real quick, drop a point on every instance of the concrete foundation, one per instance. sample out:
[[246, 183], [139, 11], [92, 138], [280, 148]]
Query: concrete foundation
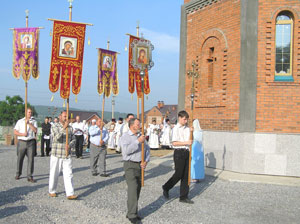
[[255, 153]]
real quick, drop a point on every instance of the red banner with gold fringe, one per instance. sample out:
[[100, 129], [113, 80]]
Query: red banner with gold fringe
[[134, 78], [67, 57]]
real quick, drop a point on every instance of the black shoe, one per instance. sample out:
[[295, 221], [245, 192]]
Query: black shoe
[[134, 220], [138, 217], [165, 193], [95, 174], [186, 200], [17, 177], [104, 175], [42, 155], [31, 180]]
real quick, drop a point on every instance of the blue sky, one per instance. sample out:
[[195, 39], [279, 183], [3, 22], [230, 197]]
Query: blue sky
[[159, 22]]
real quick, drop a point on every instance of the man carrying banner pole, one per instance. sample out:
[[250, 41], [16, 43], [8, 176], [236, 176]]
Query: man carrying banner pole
[[25, 63], [140, 62], [67, 57]]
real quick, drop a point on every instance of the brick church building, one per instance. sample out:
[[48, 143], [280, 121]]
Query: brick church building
[[247, 99]]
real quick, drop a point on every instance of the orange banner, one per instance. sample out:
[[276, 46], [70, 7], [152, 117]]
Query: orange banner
[[67, 57], [134, 78]]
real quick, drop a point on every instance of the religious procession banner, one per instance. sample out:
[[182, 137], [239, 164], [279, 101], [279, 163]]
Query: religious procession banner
[[134, 78], [67, 57], [107, 72], [26, 53]]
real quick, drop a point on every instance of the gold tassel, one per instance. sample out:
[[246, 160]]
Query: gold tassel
[[131, 97], [146, 97], [52, 98], [76, 99], [64, 105], [89, 41]]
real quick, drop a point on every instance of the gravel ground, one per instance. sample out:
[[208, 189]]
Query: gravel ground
[[103, 200]]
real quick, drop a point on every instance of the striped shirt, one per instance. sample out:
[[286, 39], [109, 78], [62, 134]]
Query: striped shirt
[[59, 140]]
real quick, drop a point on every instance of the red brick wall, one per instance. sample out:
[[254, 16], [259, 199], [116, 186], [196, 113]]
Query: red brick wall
[[278, 103], [217, 26], [153, 113]]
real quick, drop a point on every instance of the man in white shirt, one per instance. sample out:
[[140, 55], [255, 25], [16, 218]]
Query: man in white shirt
[[166, 134], [98, 138], [153, 135], [124, 128], [26, 144], [112, 135], [118, 127], [78, 128], [181, 142]]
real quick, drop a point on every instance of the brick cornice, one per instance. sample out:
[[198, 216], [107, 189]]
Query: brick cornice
[[195, 5]]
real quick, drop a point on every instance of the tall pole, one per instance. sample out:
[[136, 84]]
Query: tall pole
[[113, 107], [193, 74], [68, 104], [103, 101], [137, 97], [142, 73], [26, 83]]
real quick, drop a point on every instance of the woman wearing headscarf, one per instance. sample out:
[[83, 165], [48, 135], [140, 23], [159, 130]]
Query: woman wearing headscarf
[[197, 164]]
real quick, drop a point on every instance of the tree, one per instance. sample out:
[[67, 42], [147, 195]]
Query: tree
[[12, 109]]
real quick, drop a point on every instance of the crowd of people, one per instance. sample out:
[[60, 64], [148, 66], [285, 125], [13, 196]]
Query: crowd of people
[[61, 136]]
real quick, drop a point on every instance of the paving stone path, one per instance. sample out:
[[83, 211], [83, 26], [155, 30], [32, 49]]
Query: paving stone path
[[103, 200]]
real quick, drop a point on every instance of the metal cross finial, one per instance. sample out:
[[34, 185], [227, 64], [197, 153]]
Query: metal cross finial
[[26, 12], [70, 1], [194, 75]]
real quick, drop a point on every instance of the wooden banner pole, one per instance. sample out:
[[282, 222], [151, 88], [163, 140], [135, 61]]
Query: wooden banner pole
[[103, 101], [26, 83], [191, 138], [137, 96], [193, 74], [68, 103], [143, 132]]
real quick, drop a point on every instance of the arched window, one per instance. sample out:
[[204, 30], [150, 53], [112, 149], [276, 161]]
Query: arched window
[[284, 47]]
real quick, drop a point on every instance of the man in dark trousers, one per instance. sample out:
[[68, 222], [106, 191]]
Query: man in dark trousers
[[46, 130], [78, 128], [131, 143], [181, 142], [26, 144]]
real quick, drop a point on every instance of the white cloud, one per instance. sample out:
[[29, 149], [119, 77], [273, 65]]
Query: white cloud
[[162, 41]]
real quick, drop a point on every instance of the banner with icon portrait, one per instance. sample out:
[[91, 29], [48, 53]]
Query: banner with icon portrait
[[25, 53], [107, 72], [67, 57], [134, 78]]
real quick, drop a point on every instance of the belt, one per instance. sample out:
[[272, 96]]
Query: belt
[[99, 146], [131, 161], [25, 140], [185, 149]]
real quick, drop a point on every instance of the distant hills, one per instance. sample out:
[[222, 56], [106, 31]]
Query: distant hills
[[46, 111]]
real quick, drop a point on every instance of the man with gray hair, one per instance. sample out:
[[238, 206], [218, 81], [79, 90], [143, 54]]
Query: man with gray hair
[[131, 143], [89, 137], [99, 138]]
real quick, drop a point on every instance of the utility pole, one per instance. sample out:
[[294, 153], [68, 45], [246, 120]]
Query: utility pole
[[113, 107]]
